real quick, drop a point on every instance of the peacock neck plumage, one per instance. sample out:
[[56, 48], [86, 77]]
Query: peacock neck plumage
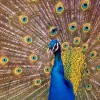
[[59, 90], [58, 66]]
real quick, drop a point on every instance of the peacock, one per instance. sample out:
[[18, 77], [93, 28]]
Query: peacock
[[60, 89], [27, 29]]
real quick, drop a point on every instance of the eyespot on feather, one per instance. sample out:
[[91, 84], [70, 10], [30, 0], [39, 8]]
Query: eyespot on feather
[[88, 87], [77, 40], [4, 60], [85, 5], [65, 45], [17, 70], [85, 47], [93, 54], [27, 39], [37, 82], [23, 19], [53, 31], [86, 27], [33, 57], [72, 26], [59, 8], [47, 70]]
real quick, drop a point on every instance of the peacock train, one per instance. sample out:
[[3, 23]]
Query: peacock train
[[29, 28]]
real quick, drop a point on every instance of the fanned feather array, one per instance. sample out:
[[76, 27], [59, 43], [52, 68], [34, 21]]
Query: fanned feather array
[[27, 27]]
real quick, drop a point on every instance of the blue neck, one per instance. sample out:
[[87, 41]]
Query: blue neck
[[58, 65], [57, 56], [60, 89]]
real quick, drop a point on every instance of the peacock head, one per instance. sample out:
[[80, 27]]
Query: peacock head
[[54, 46]]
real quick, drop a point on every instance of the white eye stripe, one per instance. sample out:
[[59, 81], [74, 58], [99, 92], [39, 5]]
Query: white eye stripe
[[55, 48]]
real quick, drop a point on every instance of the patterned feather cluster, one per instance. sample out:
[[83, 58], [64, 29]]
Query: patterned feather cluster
[[27, 27]]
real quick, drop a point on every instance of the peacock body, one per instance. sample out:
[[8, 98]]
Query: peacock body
[[26, 29], [60, 88]]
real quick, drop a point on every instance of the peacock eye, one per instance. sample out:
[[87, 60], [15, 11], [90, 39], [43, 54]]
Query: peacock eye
[[17, 70], [93, 54], [72, 26], [4, 60], [23, 19], [27, 39], [59, 8], [37, 82], [65, 45], [98, 67], [33, 58], [53, 31], [84, 47], [88, 86], [85, 4], [76, 40], [87, 72], [47, 70], [86, 27]]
